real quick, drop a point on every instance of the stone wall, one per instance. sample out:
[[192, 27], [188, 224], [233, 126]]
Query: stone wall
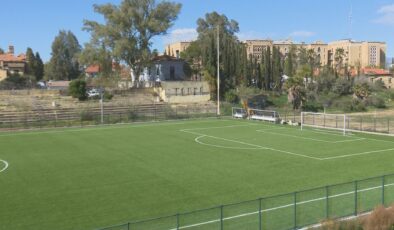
[[184, 91]]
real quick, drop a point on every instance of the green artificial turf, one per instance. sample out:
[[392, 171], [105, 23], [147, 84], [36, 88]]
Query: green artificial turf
[[95, 177]]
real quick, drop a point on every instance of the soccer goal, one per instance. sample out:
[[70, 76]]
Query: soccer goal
[[264, 115], [239, 113], [324, 121]]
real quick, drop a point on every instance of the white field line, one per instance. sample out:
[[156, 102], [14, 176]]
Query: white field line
[[217, 127], [197, 139], [201, 135], [282, 206], [98, 128], [307, 138], [358, 154], [5, 165], [253, 145]]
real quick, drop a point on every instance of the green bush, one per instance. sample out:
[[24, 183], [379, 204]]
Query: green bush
[[77, 89], [107, 96], [376, 101], [231, 96]]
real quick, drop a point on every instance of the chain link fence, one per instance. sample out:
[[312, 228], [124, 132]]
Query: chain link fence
[[80, 117], [288, 211]]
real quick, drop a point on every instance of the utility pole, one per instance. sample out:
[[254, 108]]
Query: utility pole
[[101, 105], [218, 72]]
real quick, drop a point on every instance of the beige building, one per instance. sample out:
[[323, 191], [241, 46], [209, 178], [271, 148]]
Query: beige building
[[356, 54], [175, 49], [359, 54]]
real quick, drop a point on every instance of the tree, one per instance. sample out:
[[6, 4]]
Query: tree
[[296, 93], [267, 69], [338, 57], [77, 89], [1, 51], [64, 64], [361, 90], [290, 64], [31, 62], [230, 49], [276, 69], [130, 27], [39, 67]]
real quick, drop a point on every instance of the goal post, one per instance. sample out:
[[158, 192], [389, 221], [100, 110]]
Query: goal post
[[240, 113], [324, 121]]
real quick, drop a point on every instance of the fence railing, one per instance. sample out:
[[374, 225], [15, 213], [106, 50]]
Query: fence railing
[[51, 118], [287, 211]]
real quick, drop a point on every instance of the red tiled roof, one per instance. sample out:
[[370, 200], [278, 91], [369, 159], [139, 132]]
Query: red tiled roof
[[11, 58], [93, 69], [375, 71]]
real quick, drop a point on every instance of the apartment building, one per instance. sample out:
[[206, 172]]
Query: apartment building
[[175, 49], [357, 55]]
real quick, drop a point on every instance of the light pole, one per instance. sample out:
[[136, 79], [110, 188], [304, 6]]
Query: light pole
[[101, 105], [218, 72]]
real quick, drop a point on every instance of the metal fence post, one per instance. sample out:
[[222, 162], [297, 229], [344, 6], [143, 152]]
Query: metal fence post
[[355, 198], [295, 210], [260, 217], [221, 217], [383, 185], [374, 124], [327, 203], [388, 125], [361, 124], [128, 225], [177, 221]]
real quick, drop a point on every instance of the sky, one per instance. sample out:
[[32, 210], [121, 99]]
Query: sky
[[34, 24]]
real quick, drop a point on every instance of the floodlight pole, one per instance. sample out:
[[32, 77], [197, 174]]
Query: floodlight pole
[[218, 72], [101, 106]]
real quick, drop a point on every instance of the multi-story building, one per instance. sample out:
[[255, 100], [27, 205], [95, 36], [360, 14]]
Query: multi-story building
[[11, 64], [175, 49], [359, 54], [356, 54]]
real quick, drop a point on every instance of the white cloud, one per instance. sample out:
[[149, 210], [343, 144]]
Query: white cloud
[[386, 15], [302, 33], [180, 35]]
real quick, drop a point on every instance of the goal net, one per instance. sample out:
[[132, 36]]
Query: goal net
[[263, 115], [239, 113], [324, 121]]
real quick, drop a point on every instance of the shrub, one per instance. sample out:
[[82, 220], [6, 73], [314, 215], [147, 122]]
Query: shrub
[[231, 96], [376, 101], [107, 96], [77, 89]]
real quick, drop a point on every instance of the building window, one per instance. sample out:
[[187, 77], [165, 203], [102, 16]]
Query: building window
[[182, 91], [201, 90]]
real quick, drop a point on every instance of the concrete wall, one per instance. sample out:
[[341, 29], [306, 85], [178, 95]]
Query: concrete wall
[[184, 91], [3, 74]]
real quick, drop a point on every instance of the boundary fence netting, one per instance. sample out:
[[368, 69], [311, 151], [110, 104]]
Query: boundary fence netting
[[287, 211]]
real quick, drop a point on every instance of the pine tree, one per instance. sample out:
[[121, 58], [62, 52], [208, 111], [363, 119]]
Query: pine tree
[[267, 69], [64, 64], [39, 68], [30, 62]]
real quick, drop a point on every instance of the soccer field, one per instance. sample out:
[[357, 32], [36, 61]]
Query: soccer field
[[99, 176]]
